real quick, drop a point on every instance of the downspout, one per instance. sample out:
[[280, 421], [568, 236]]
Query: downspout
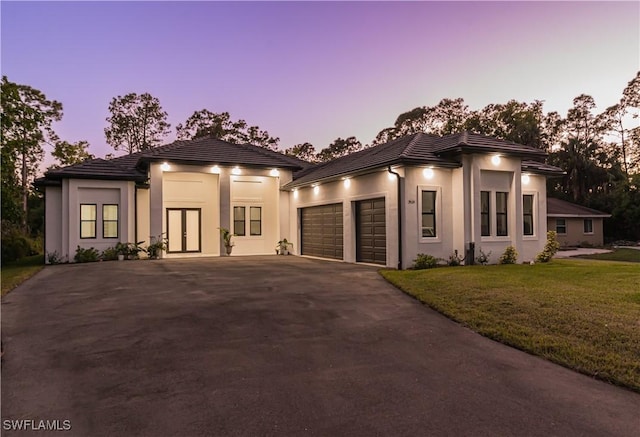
[[135, 213], [400, 203]]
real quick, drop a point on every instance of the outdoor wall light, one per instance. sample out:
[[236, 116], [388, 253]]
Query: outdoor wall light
[[346, 182], [316, 189], [165, 166], [215, 169], [236, 170], [274, 172], [391, 176], [427, 173], [495, 159], [525, 179]]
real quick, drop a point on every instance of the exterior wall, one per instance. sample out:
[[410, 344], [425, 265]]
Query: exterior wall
[[77, 191], [53, 221], [143, 227], [194, 186], [575, 235], [369, 186]]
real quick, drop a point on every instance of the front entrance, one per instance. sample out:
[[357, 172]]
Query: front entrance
[[183, 230], [371, 239]]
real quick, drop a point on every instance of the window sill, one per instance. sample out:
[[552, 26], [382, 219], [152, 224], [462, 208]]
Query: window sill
[[530, 238], [496, 239], [430, 240]]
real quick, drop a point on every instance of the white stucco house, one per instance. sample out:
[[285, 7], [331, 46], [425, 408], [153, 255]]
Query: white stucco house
[[382, 205]]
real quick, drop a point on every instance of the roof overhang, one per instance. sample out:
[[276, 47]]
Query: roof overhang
[[151, 159], [579, 215]]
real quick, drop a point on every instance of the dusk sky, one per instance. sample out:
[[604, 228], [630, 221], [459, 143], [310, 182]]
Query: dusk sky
[[315, 71]]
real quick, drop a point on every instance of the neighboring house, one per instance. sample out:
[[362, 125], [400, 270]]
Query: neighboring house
[[575, 225], [382, 205]]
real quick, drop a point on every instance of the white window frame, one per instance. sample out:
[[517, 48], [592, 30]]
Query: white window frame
[[438, 215], [583, 226]]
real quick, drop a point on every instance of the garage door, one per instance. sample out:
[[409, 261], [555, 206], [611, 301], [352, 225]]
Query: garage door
[[371, 239], [322, 231]]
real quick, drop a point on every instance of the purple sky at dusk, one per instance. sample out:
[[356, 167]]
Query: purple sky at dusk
[[315, 71]]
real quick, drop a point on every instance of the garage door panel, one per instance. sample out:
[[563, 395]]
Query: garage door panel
[[322, 231], [371, 241]]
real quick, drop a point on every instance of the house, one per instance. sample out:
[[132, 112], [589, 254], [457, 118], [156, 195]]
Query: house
[[383, 205], [576, 225]]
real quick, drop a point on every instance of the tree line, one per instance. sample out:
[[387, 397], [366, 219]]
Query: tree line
[[599, 151]]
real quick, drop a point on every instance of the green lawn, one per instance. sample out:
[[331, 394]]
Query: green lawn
[[15, 273], [581, 314], [629, 255]]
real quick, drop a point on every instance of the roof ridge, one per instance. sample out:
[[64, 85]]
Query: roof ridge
[[412, 144]]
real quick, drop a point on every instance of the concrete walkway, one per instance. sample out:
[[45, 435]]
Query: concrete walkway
[[273, 346], [579, 251]]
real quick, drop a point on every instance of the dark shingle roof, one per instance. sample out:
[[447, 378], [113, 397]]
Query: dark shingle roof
[[214, 151], [562, 208], [200, 151], [423, 149]]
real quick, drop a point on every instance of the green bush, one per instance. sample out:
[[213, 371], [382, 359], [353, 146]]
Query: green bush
[[15, 244], [86, 255], [455, 260], [109, 254], [54, 258], [510, 256], [483, 258], [550, 248], [424, 261]]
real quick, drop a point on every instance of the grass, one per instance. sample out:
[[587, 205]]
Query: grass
[[581, 314], [14, 274], [627, 255]]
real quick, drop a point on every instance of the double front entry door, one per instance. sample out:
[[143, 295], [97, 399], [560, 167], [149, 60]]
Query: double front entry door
[[183, 230]]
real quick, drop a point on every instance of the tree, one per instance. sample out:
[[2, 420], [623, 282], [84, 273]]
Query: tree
[[304, 151], [219, 125], [71, 153], [27, 116], [137, 123], [340, 147]]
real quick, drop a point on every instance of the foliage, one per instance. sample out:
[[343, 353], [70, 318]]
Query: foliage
[[129, 250], [455, 259], [226, 237], [86, 255], [219, 125], [509, 256], [67, 153], [304, 151], [137, 122], [15, 245], [283, 246], [109, 254], [340, 147], [27, 118], [158, 244], [424, 261], [15, 273], [483, 258], [550, 248], [566, 310]]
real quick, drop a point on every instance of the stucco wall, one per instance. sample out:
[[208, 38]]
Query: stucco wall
[[369, 186], [53, 221], [575, 235], [143, 226]]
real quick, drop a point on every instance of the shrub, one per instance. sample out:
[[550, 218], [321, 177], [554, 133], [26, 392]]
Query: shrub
[[510, 256], [109, 254], [424, 261], [455, 260], [86, 255], [15, 244], [55, 258], [550, 248], [483, 258], [158, 244]]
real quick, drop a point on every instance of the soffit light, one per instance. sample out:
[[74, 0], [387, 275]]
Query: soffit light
[[165, 166], [347, 182], [428, 173], [274, 172], [316, 189], [295, 193], [525, 179], [236, 170], [495, 159], [215, 169]]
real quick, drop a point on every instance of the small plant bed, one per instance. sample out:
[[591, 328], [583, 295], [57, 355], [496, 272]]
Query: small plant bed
[[15, 273], [627, 255], [581, 314]]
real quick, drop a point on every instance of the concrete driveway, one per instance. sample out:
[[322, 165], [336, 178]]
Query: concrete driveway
[[273, 346]]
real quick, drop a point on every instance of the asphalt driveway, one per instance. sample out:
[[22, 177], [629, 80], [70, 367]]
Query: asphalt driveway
[[273, 346]]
